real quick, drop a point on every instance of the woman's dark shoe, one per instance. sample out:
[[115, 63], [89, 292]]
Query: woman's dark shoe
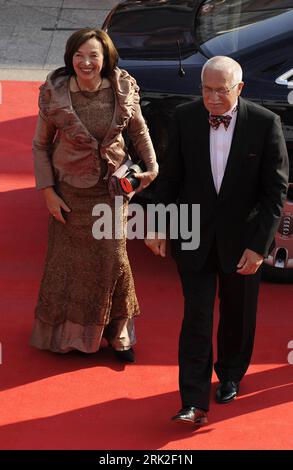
[[127, 355]]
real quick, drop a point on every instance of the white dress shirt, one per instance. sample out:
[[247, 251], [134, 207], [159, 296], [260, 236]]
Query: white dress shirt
[[220, 143]]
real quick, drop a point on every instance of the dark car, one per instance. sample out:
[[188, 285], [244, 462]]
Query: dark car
[[164, 44]]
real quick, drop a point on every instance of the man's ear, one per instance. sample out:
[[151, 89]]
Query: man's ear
[[240, 86]]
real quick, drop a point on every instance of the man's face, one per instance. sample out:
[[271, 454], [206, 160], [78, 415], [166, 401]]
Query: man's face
[[219, 92]]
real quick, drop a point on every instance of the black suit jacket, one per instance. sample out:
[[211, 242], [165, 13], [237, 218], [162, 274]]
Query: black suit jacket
[[247, 210]]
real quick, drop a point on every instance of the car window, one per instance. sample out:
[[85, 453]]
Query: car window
[[224, 27], [152, 30]]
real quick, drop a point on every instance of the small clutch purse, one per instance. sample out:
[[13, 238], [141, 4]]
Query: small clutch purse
[[122, 182]]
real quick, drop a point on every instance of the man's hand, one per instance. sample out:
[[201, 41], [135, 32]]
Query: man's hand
[[250, 262], [157, 245], [55, 204]]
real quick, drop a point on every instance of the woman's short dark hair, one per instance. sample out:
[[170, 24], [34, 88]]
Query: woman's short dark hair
[[80, 37]]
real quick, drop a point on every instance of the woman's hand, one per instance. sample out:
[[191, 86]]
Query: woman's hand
[[55, 204], [145, 179]]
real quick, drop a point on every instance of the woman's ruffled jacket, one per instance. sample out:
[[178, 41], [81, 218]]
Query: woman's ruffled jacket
[[63, 145]]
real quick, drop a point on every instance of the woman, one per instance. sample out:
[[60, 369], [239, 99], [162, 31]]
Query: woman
[[87, 291]]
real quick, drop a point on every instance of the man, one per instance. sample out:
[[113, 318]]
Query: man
[[228, 155]]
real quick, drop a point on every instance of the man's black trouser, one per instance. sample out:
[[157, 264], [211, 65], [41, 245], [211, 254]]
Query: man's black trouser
[[238, 304]]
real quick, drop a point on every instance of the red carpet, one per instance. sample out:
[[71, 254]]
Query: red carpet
[[73, 402]]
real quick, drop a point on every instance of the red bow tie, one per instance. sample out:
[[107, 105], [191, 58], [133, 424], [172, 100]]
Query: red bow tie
[[215, 120]]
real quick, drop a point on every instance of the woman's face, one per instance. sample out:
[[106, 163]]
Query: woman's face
[[88, 60]]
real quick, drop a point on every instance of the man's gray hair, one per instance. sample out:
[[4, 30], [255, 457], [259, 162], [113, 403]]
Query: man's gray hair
[[226, 64]]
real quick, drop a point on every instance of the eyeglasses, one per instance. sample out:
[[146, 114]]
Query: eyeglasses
[[219, 91]]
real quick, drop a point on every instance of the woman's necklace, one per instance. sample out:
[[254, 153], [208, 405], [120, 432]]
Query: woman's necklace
[[83, 92]]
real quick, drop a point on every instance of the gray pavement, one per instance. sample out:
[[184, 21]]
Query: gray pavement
[[33, 33]]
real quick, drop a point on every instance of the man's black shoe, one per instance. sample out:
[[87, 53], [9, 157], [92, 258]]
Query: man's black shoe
[[227, 391], [126, 355], [191, 415]]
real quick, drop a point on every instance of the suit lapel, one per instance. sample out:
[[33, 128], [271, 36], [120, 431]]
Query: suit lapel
[[234, 162], [203, 143]]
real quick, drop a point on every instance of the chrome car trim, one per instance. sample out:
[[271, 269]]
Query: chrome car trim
[[284, 79]]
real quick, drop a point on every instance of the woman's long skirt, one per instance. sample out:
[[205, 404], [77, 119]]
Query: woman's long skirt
[[87, 290]]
